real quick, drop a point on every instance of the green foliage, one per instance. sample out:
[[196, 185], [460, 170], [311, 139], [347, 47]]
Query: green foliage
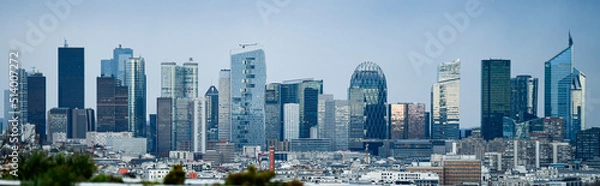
[[252, 177], [105, 178], [176, 176], [37, 168]]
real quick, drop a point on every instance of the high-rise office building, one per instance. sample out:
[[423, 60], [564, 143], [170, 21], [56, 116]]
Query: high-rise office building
[[588, 144], [71, 81], [151, 136], [326, 119], [164, 125], [342, 120], [578, 89], [304, 92], [111, 105], [367, 96], [291, 121], [212, 114], [273, 124], [58, 121], [407, 121], [79, 123], [135, 80], [248, 79], [188, 129], [558, 79], [36, 104], [119, 62], [445, 102], [106, 68], [495, 96], [224, 104], [523, 98], [179, 81]]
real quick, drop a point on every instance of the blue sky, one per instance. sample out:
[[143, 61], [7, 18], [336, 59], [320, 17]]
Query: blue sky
[[320, 39]]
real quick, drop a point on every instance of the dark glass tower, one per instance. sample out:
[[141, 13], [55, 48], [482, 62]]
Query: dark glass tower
[[212, 113], [164, 123], [495, 96], [151, 136], [71, 92], [111, 105], [523, 98], [273, 124], [367, 96], [36, 103]]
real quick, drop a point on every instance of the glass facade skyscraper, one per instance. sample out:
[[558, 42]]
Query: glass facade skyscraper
[[523, 98], [36, 103], [578, 89], [445, 102], [273, 121], [212, 114], [135, 80], [119, 62], [224, 104], [342, 120], [564, 91], [111, 105], [367, 96], [71, 71], [495, 96], [248, 79], [407, 121]]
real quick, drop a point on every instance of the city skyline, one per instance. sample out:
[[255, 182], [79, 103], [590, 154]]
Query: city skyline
[[283, 62]]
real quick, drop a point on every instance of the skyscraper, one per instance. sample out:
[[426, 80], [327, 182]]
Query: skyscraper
[[308, 97], [71, 71], [225, 104], [36, 103], [111, 105], [326, 122], [179, 81], [106, 68], [523, 98], [578, 89], [248, 79], [407, 121], [58, 121], [558, 79], [23, 103], [212, 114], [273, 121], [291, 121], [164, 125], [495, 96], [367, 96], [119, 62], [342, 120], [79, 123], [445, 102], [135, 80], [151, 136]]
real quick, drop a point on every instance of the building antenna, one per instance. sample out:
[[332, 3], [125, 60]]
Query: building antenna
[[66, 45]]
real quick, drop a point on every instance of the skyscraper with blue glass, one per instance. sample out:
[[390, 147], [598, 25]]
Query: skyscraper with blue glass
[[563, 84], [247, 82], [135, 80], [367, 96]]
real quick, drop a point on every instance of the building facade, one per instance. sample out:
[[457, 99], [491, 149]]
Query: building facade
[[445, 102], [248, 79], [135, 80], [71, 81], [36, 104], [523, 98], [495, 96], [224, 105], [367, 96], [273, 110], [291, 121], [212, 116], [111, 105]]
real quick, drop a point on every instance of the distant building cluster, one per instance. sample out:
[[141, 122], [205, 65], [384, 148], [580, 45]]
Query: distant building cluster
[[241, 118]]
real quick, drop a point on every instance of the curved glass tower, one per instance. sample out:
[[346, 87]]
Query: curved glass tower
[[367, 96]]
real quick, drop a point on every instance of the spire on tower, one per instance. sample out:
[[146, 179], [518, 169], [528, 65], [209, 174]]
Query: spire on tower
[[570, 39]]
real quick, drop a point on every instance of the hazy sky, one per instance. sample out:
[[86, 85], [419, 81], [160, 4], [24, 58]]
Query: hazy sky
[[319, 39]]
